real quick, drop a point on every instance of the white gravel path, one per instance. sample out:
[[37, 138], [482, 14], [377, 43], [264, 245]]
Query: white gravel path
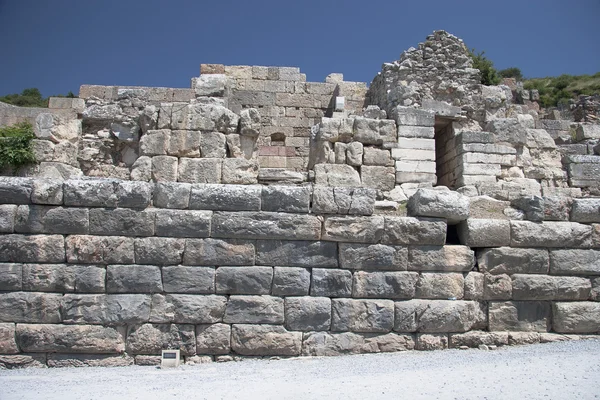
[[568, 370]]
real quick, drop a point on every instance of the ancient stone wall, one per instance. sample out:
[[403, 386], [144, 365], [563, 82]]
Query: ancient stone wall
[[110, 272]]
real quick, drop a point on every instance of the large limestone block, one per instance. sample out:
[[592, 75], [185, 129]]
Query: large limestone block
[[121, 221], [211, 85], [339, 175], [335, 344], [88, 360], [439, 316], [11, 277], [239, 171], [184, 144], [353, 229], [15, 190], [159, 251], [73, 339], [225, 197], [339, 200], [450, 205], [50, 219], [199, 170], [575, 262], [331, 283], [308, 313], [265, 340], [213, 339], [187, 308], [373, 257], [484, 232], [378, 177], [413, 116], [374, 131], [429, 341], [172, 195], [508, 130], [423, 132], [450, 258], [477, 338], [510, 260], [250, 124], [362, 315], [63, 278], [133, 279], [84, 249], [134, 194], [586, 210], [587, 131], [244, 280], [118, 309], [90, 193], [519, 316], [378, 285], [440, 285], [181, 279], [155, 142], [212, 252], [579, 317], [213, 145], [297, 253], [550, 234], [153, 338], [32, 248], [254, 310], [292, 199], [164, 168], [377, 157], [532, 287], [8, 213], [205, 117], [184, 223], [290, 281], [419, 231], [497, 287], [265, 225], [30, 307], [8, 345]]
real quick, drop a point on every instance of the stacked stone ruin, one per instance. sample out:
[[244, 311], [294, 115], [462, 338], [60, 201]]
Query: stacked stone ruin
[[257, 214]]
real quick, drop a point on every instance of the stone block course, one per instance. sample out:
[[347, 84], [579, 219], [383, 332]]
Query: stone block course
[[550, 234], [159, 251], [449, 258], [531, 287], [362, 315], [509, 260], [211, 252], [291, 199], [50, 219], [182, 279], [580, 317], [117, 309], [85, 249], [183, 223], [32, 248], [121, 222], [254, 310], [308, 313], [297, 253], [331, 283], [133, 279], [353, 229], [31, 307], [265, 225], [409, 230], [380, 285], [519, 316], [373, 257], [74, 339], [439, 316], [187, 309], [244, 280]]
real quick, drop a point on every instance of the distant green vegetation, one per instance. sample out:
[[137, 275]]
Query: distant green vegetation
[[31, 97], [559, 90], [489, 75], [15, 146]]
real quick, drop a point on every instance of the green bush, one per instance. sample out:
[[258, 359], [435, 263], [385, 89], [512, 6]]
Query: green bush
[[489, 75], [512, 72], [15, 146]]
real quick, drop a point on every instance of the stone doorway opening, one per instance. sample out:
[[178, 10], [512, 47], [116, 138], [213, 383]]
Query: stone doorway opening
[[445, 153]]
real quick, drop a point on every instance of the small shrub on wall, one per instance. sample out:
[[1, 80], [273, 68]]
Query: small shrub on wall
[[15, 146]]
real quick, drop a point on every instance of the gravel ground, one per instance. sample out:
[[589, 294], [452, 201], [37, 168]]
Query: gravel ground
[[568, 370]]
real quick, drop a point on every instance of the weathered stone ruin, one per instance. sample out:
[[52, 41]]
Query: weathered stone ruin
[[257, 214]]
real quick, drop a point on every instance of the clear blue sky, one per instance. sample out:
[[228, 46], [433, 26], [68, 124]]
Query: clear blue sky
[[58, 45]]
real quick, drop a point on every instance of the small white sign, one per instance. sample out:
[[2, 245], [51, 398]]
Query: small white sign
[[170, 359]]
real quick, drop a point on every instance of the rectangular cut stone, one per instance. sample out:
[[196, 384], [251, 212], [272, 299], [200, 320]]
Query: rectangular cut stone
[[550, 234], [133, 279], [30, 307], [416, 167], [415, 132], [297, 253], [180, 279], [308, 313], [172, 195], [585, 210], [473, 137], [152, 338], [413, 154], [531, 316], [362, 315], [183, 223], [244, 280], [117, 309], [341, 200], [480, 169], [440, 285], [579, 317], [73, 339], [575, 262], [213, 339], [373, 257], [415, 177], [11, 277], [335, 344], [483, 158], [353, 229], [532, 287], [484, 232], [439, 316], [32, 248], [331, 283], [441, 258], [413, 116], [31, 360], [265, 225], [293, 199], [510, 260], [389, 285], [254, 310], [199, 170], [159, 251], [15, 190], [187, 308], [49, 219], [212, 252], [486, 148], [416, 144], [134, 194], [89, 360], [84, 249], [121, 221], [477, 338], [290, 281], [90, 193], [8, 345], [409, 230], [265, 340], [8, 213], [49, 278], [377, 177], [226, 197]]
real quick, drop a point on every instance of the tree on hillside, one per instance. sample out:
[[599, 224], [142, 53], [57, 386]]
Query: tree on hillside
[[31, 97], [512, 72], [489, 75]]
